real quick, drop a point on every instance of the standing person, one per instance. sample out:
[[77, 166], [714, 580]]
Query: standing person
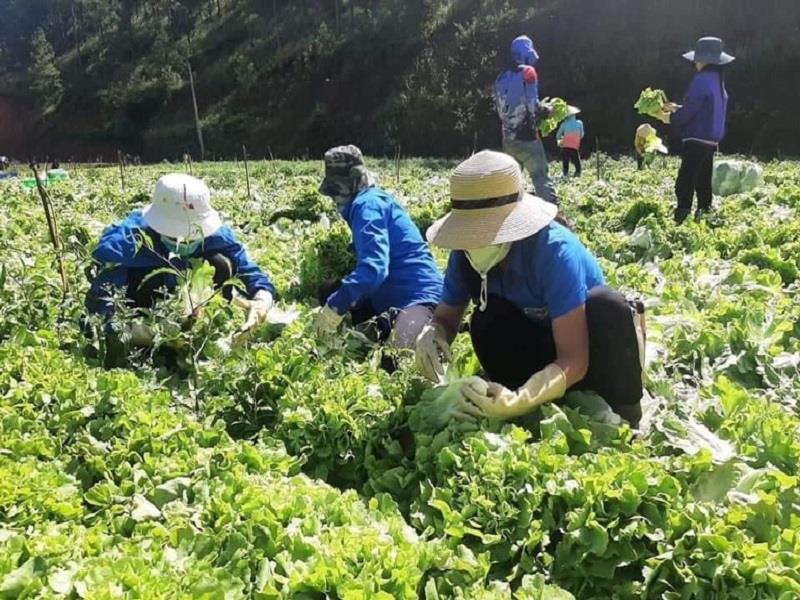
[[569, 136], [701, 124], [396, 277], [179, 224], [517, 98], [545, 321]]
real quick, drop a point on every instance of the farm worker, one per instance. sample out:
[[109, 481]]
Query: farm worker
[[545, 321], [179, 224], [517, 99], [701, 125], [396, 277], [644, 134], [569, 136]]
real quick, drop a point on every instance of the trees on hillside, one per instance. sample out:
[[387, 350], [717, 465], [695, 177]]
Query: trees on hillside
[[45, 78]]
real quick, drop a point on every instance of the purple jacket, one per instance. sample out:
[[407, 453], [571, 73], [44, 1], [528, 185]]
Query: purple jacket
[[702, 117]]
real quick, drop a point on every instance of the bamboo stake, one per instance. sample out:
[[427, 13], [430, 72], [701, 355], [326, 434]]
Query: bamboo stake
[[397, 164], [597, 155], [52, 226], [121, 170], [246, 171]]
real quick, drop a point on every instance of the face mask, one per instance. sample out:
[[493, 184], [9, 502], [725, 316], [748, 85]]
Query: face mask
[[181, 248], [482, 260]]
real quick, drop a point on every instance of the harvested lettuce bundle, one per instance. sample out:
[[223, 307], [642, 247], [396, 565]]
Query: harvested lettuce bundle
[[559, 110], [651, 103], [441, 404]]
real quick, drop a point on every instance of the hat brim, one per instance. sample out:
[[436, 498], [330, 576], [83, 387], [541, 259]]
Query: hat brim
[[723, 59], [481, 227], [208, 225]]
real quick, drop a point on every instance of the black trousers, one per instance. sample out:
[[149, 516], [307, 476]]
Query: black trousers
[[143, 294], [511, 347], [639, 161], [694, 177], [570, 155]]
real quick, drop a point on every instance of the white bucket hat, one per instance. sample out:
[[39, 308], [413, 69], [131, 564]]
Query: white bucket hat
[[489, 205], [181, 208]]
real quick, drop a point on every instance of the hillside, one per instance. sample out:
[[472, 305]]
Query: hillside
[[293, 77]]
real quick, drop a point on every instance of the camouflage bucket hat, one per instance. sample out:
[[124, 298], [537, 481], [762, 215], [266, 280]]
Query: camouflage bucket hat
[[339, 164]]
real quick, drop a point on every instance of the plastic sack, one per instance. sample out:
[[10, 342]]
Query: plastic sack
[[735, 177]]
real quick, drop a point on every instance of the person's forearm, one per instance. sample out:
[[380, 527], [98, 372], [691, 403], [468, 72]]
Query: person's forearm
[[574, 369]]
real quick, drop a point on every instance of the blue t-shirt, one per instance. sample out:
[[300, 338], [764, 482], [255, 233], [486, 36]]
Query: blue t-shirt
[[545, 275]]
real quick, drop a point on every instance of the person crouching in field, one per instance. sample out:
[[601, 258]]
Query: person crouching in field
[[396, 278], [544, 319], [569, 136], [701, 124], [178, 225]]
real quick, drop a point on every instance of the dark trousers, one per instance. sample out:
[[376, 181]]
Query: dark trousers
[[694, 176], [639, 161], [144, 293], [511, 347], [571, 155]]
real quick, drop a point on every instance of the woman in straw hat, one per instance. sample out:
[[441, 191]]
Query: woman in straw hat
[[701, 124], [545, 321], [179, 224]]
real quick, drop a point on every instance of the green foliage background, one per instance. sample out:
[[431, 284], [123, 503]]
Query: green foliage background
[[293, 77]]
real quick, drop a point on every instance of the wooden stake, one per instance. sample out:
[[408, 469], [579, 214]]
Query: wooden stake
[[246, 171], [121, 170], [52, 226]]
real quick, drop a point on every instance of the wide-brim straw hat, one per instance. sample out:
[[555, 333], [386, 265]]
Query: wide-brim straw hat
[[709, 50], [489, 205]]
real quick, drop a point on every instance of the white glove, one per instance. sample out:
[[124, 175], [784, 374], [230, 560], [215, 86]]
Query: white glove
[[257, 310], [141, 335], [431, 347], [501, 403], [327, 322]]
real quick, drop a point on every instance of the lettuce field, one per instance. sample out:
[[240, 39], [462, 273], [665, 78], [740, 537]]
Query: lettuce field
[[280, 467]]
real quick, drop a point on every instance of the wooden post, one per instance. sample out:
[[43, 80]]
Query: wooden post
[[121, 170], [246, 171], [197, 124], [52, 226]]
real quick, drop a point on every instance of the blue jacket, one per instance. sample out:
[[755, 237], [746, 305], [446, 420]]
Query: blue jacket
[[705, 107], [394, 266], [517, 92], [125, 259]]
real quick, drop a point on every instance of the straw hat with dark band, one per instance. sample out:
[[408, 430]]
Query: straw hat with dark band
[[489, 205]]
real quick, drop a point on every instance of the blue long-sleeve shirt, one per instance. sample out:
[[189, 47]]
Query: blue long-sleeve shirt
[[517, 100], [702, 117], [124, 259], [394, 266]]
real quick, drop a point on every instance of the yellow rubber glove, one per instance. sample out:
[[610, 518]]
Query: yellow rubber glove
[[327, 322], [501, 403], [431, 348]]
